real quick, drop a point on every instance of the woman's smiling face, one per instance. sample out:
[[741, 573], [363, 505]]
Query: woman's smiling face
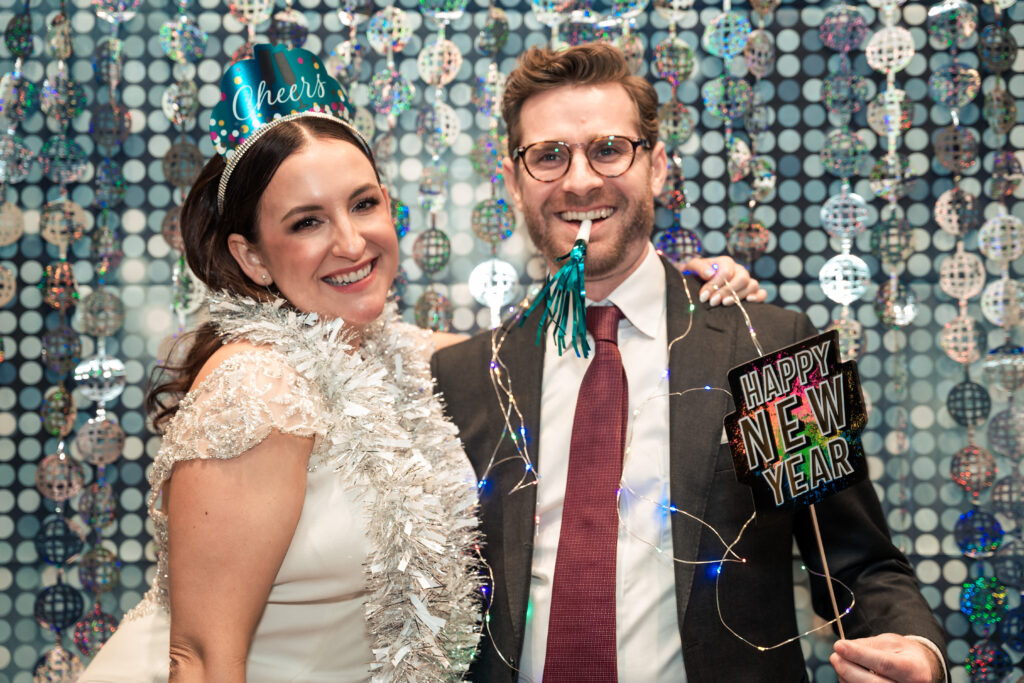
[[326, 238]]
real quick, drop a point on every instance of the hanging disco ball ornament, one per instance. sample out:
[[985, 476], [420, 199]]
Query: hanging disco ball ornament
[[1009, 565], [102, 313], [954, 85], [99, 571], [400, 217], [845, 93], [890, 177], [1000, 110], [391, 93], [288, 27], [437, 125], [983, 600], [1008, 496], [251, 12], [842, 152], [18, 97], [628, 9], [673, 194], [57, 666], [439, 62], [1006, 175], [748, 240], [973, 469], [890, 49], [493, 220], [109, 184], [843, 28], [678, 245], [346, 61], [673, 11], [486, 155], [676, 123], [726, 35], [105, 250], [851, 334], [18, 34], [15, 159], [739, 159], [56, 542], [58, 36], [897, 307], [763, 171], [550, 12], [1006, 433], [1004, 367], [362, 119], [986, 661], [488, 92], [431, 251], [844, 278], [354, 12], [956, 148], [8, 286], [878, 112], [97, 507], [115, 11], [963, 340], [62, 99], [1011, 632], [844, 215], [727, 97], [58, 478], [951, 23], [997, 48], [398, 286], [93, 630], [1001, 238], [443, 11], [493, 35], [631, 45], [108, 60], [60, 288], [61, 349], [187, 292], [493, 283], [64, 162], [892, 241], [962, 275], [389, 30], [100, 441], [182, 40], [1002, 302], [110, 125], [957, 212], [968, 403], [433, 188], [12, 223], [62, 222], [59, 412], [978, 534], [100, 378], [433, 311], [758, 119], [673, 60], [58, 607], [182, 163], [759, 53]]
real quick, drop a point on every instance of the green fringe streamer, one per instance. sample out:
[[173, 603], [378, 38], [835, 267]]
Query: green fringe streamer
[[564, 291]]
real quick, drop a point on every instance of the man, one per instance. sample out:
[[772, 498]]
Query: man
[[643, 606]]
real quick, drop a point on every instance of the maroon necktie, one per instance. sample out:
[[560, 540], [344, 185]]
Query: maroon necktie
[[581, 628]]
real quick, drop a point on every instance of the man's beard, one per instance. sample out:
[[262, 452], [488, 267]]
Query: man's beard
[[637, 224]]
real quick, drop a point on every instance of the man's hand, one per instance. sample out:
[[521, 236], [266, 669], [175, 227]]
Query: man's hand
[[887, 657], [721, 270]]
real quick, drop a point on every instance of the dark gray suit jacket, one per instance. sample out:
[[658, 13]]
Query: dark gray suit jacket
[[756, 598]]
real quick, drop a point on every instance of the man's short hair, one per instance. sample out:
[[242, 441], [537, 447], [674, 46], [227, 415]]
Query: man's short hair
[[541, 69]]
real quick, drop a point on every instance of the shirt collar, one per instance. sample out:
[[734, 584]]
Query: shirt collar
[[641, 296]]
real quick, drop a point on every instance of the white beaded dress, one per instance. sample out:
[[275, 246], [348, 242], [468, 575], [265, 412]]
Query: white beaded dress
[[380, 580]]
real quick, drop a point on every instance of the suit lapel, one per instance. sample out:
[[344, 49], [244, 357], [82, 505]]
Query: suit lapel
[[524, 361], [702, 358]]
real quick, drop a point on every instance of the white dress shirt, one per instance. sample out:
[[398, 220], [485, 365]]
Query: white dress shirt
[[647, 629]]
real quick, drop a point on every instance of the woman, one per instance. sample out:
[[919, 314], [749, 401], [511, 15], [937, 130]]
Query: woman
[[319, 524]]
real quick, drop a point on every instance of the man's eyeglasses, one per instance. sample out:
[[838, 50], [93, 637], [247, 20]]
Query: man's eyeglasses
[[610, 156]]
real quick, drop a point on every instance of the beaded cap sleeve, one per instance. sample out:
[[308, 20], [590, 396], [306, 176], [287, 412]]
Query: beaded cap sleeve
[[236, 407]]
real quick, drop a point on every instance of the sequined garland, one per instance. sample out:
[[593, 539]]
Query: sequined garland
[[391, 440]]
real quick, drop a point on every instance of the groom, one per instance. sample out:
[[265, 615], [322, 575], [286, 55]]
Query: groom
[[588, 587]]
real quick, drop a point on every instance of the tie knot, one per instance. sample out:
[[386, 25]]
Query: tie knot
[[603, 323]]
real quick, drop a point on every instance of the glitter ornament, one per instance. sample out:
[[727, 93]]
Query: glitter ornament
[[1000, 110], [726, 35], [400, 217], [892, 241], [15, 159], [986, 662], [890, 178], [983, 600], [488, 91], [878, 113], [954, 85], [550, 12], [844, 215], [110, 125], [957, 212], [431, 251], [1002, 302], [1004, 367], [580, 28], [60, 288], [978, 534], [437, 125], [109, 184], [18, 34], [962, 275], [628, 9], [890, 49], [673, 60], [631, 45], [354, 12], [251, 12], [842, 152], [739, 159], [843, 28], [439, 62], [486, 155], [102, 313], [58, 607], [676, 123], [93, 630], [180, 103], [398, 286], [389, 30], [1009, 565], [289, 28], [493, 283], [763, 171], [1011, 633], [897, 308], [346, 61], [57, 666], [951, 23], [391, 93], [493, 220], [997, 48], [56, 542], [844, 93], [433, 311], [100, 441], [99, 570], [58, 478], [100, 378], [727, 97], [844, 278], [748, 240], [98, 508], [108, 60], [1008, 496], [362, 119], [673, 11], [61, 348], [105, 250], [433, 188], [182, 163], [18, 98], [678, 245], [1006, 175], [956, 148], [170, 228], [493, 35], [764, 7], [64, 162], [968, 403], [851, 334], [115, 11], [759, 53], [1001, 238], [187, 292], [12, 223], [58, 412], [1006, 433], [758, 119], [182, 40], [62, 99], [443, 11], [62, 222], [672, 195], [8, 285], [963, 340], [973, 469], [58, 36]]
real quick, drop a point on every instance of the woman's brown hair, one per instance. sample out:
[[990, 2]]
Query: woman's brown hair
[[204, 234]]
